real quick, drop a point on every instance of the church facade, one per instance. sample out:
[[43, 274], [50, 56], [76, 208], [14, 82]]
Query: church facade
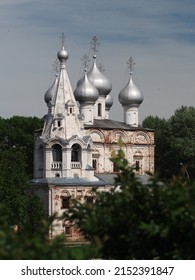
[[72, 152]]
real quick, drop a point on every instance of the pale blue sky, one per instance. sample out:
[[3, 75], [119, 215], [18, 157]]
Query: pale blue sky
[[158, 34]]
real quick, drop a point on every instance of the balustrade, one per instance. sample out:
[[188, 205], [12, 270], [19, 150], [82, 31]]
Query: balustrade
[[75, 165], [56, 165]]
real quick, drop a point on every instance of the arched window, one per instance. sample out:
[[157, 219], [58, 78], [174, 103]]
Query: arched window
[[90, 200], [99, 109], [57, 152], [76, 153]]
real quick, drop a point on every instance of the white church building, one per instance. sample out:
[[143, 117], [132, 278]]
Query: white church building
[[72, 152]]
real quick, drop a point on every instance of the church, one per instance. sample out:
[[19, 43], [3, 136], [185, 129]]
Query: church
[[72, 151]]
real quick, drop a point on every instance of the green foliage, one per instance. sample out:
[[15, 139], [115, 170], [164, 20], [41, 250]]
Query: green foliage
[[153, 221], [182, 137], [174, 142], [22, 207], [28, 245], [16, 152], [135, 221], [17, 132]]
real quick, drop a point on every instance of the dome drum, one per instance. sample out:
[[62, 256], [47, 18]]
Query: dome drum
[[109, 101]]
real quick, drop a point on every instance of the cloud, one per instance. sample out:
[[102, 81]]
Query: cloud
[[159, 34], [133, 21]]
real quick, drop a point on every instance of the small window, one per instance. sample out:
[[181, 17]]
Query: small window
[[99, 109], [67, 230], [94, 163], [115, 167], [70, 110], [57, 175], [137, 167], [65, 202], [59, 123]]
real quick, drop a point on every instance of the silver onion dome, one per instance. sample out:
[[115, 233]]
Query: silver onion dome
[[62, 54], [109, 101], [130, 94], [51, 91], [99, 80], [85, 91]]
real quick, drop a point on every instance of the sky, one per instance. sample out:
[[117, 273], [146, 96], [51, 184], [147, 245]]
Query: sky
[[158, 34]]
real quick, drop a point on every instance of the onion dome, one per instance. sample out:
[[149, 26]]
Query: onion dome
[[99, 80], [62, 54], [109, 101], [51, 91], [130, 94], [85, 91]]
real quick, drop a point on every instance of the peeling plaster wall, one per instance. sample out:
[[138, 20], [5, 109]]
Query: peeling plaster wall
[[52, 198], [137, 145]]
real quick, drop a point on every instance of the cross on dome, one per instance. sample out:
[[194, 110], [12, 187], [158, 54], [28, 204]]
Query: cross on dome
[[62, 54], [85, 61], [131, 63], [94, 45], [62, 38]]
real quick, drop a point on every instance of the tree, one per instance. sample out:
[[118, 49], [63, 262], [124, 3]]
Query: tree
[[17, 132], [22, 207], [174, 142], [28, 245], [15, 195], [152, 221], [162, 143], [182, 137]]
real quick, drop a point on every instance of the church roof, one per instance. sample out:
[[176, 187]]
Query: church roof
[[110, 177], [104, 179], [66, 181], [112, 124]]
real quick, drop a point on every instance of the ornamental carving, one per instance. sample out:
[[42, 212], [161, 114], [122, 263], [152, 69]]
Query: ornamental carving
[[96, 136], [115, 136], [141, 139], [65, 194]]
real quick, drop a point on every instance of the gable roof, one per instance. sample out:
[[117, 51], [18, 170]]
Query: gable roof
[[111, 124]]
